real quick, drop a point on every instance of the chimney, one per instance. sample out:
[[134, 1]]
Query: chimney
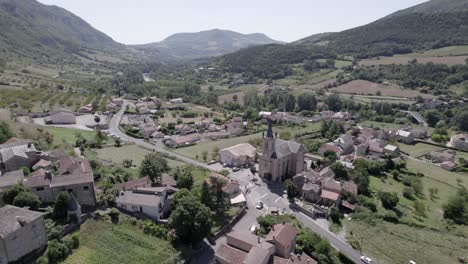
[[21, 220], [29, 144], [122, 193]]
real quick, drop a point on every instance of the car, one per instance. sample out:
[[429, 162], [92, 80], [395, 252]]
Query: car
[[253, 228], [411, 262], [235, 169], [225, 165], [259, 205], [366, 260]]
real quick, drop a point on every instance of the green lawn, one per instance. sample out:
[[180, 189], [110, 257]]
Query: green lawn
[[102, 242], [68, 135], [133, 152], [419, 149]]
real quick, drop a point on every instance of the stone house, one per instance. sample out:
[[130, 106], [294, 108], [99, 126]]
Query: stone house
[[153, 202], [442, 156], [242, 247], [60, 117], [311, 192], [147, 129], [231, 187], [391, 149], [238, 155], [448, 165], [460, 142], [17, 154], [283, 236], [74, 175], [182, 141], [22, 232], [405, 136]]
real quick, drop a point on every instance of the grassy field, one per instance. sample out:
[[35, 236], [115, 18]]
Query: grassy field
[[134, 152], [102, 242], [437, 173], [419, 149], [208, 145], [389, 243], [362, 87], [68, 135]]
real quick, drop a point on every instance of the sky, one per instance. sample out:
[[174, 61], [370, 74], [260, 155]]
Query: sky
[[145, 21]]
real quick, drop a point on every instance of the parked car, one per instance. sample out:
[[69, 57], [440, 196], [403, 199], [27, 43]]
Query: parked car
[[253, 228], [236, 169], [259, 205], [366, 260], [412, 262]]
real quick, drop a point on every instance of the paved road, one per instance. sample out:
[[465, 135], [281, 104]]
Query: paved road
[[114, 129], [270, 195]]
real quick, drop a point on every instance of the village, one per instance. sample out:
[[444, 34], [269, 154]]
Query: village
[[274, 176]]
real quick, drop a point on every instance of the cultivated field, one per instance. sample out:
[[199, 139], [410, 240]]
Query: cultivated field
[[126, 243], [449, 60], [418, 150], [362, 87]]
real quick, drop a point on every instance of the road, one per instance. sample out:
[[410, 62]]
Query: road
[[270, 195], [114, 129]]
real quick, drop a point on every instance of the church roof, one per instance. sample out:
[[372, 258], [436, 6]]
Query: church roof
[[284, 148]]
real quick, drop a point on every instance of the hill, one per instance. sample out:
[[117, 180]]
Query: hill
[[32, 29], [209, 43], [430, 25]]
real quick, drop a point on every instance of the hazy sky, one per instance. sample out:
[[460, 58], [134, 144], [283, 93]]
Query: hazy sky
[[144, 21]]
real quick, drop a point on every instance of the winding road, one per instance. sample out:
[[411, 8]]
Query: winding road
[[259, 191], [114, 129]]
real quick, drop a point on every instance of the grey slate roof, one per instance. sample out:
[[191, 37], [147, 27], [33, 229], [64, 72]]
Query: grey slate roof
[[146, 199], [284, 148], [16, 149], [311, 187], [8, 218], [11, 178]]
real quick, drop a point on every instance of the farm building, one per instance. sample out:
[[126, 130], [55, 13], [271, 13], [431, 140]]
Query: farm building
[[460, 142], [60, 117]]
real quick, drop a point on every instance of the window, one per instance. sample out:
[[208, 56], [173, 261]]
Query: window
[[124, 206], [70, 190], [40, 189], [85, 188]]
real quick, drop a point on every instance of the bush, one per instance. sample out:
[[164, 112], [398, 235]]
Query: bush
[[76, 241], [27, 199], [57, 251], [61, 205], [389, 199], [114, 215], [390, 216], [408, 193]]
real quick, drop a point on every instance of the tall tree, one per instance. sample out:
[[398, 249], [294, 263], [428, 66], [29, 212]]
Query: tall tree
[[191, 221], [5, 132], [185, 179], [153, 166]]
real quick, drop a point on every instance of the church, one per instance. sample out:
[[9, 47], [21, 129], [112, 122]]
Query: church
[[281, 159]]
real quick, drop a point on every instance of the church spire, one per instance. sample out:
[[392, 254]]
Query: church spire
[[270, 129]]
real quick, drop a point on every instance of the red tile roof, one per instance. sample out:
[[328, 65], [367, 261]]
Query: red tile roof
[[333, 196]]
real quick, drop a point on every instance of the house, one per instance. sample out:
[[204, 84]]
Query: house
[[376, 148], [280, 158], [158, 135], [86, 108], [295, 259], [283, 236], [405, 136], [182, 141], [153, 202], [327, 172], [459, 141], [238, 98], [42, 164], [176, 101], [442, 156], [350, 188], [345, 142], [147, 129], [330, 147], [133, 184], [22, 232], [419, 133], [55, 154], [112, 107], [330, 198], [391, 149], [217, 135], [332, 185], [230, 187], [9, 179], [238, 155], [362, 149], [74, 175], [244, 248], [183, 129], [448, 165], [18, 153], [118, 101], [60, 117], [311, 192]]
